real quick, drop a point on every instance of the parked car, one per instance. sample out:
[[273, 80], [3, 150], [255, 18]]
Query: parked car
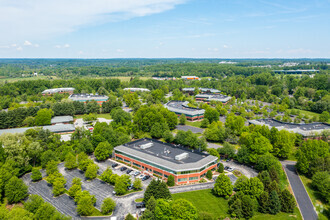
[[230, 169], [227, 160], [226, 168], [141, 176], [136, 173], [114, 192], [123, 168], [140, 205], [130, 187], [145, 177], [114, 165], [129, 171]]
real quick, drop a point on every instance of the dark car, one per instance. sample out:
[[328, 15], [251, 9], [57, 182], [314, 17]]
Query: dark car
[[140, 205], [123, 168], [145, 178], [130, 187], [129, 171], [114, 165], [226, 167]]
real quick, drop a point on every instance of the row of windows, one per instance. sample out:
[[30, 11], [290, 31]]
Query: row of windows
[[182, 179], [193, 178], [137, 165]]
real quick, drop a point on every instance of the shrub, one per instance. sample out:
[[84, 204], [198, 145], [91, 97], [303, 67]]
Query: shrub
[[108, 206], [209, 174], [36, 174], [170, 180]]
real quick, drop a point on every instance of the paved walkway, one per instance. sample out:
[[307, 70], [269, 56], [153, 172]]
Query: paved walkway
[[304, 202]]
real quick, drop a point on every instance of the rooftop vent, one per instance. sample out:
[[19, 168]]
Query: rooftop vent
[[145, 146], [181, 156]]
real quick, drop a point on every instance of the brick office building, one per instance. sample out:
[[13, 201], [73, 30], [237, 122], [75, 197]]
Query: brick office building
[[84, 97], [164, 159], [179, 108]]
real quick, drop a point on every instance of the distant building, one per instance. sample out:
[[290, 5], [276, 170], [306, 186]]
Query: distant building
[[137, 90], [84, 97], [58, 90], [58, 128], [62, 120], [164, 78], [190, 77], [312, 130], [296, 71], [191, 90], [162, 159], [213, 97], [179, 108]]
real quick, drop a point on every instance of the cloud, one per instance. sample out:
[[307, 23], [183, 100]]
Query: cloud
[[66, 45], [19, 48], [39, 19], [27, 43], [36, 45], [225, 46], [120, 51]]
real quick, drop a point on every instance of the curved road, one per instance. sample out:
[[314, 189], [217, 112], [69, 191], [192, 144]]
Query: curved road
[[304, 202]]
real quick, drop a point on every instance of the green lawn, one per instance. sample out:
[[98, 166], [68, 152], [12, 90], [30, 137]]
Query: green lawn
[[318, 204], [106, 116], [121, 78], [11, 80], [194, 123], [205, 201]]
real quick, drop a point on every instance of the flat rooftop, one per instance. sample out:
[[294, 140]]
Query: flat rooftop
[[215, 97], [59, 128], [192, 89], [303, 129], [183, 107], [86, 96], [56, 90], [61, 119], [165, 154]]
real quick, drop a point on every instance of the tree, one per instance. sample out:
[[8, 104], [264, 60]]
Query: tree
[[168, 136], [58, 186], [228, 150], [137, 184], [222, 186], [129, 217], [75, 187], [263, 202], [215, 132], [182, 119], [157, 130], [119, 116], [89, 118], [236, 208], [15, 190], [108, 206], [288, 202], [106, 175], [33, 203], [121, 184], [324, 117], [70, 161], [44, 116], [85, 205], [248, 207], [321, 182], [36, 174], [274, 203], [183, 209], [170, 180], [209, 174], [51, 167], [235, 124], [91, 171], [283, 144], [205, 123], [211, 114], [252, 187], [220, 168], [84, 161], [158, 189], [103, 151]]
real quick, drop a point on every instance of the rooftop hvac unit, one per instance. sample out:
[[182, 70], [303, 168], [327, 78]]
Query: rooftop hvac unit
[[181, 156], [145, 146]]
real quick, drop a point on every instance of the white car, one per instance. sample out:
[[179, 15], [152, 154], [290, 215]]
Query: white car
[[141, 176], [230, 169], [136, 173]]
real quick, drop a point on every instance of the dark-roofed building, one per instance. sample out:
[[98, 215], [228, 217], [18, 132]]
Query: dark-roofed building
[[84, 97], [191, 90], [180, 107], [58, 128], [62, 120], [213, 97], [306, 130], [164, 159]]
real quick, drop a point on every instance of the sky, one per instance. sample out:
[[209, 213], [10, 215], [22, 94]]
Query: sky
[[164, 28]]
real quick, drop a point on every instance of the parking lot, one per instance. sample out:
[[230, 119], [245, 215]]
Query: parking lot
[[245, 170]]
